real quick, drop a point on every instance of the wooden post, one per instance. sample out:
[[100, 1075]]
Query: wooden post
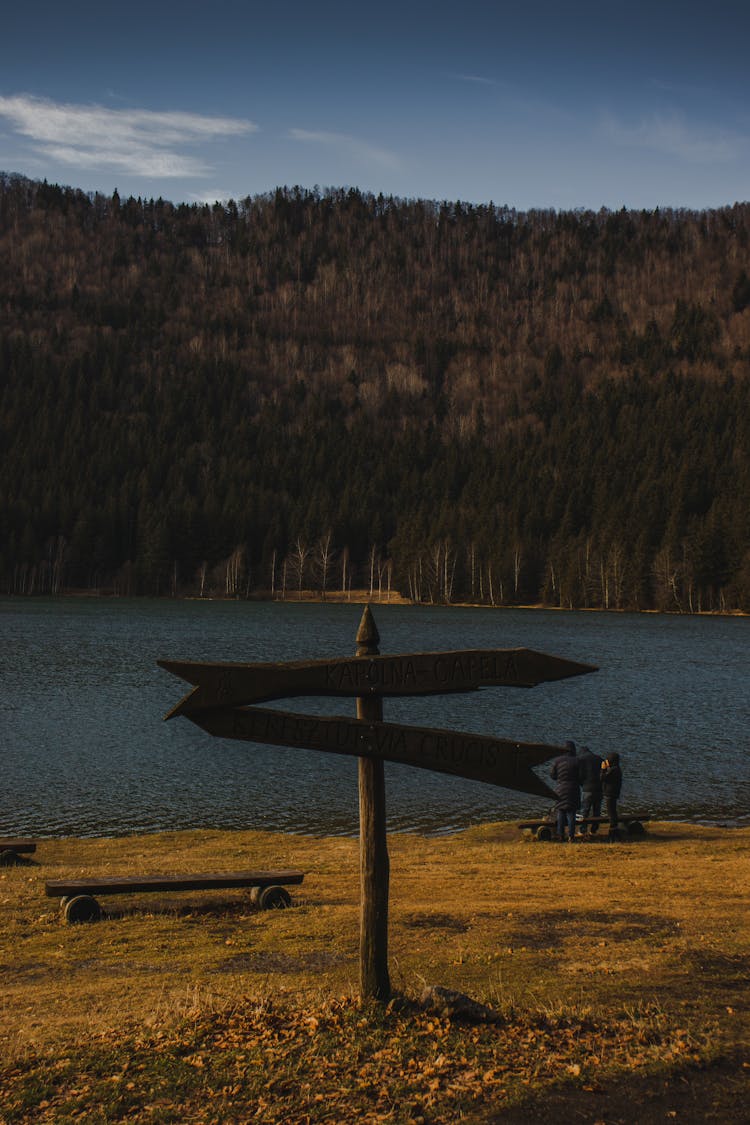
[[374, 866]]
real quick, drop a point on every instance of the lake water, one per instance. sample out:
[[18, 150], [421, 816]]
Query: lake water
[[85, 751]]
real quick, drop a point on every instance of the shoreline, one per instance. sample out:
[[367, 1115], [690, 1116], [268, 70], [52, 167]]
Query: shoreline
[[508, 828], [361, 597]]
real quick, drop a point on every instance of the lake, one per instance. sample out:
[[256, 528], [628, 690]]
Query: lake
[[85, 750]]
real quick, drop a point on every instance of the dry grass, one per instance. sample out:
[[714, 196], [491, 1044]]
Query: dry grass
[[636, 955]]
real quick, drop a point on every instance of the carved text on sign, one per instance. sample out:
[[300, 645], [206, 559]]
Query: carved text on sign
[[474, 756], [426, 673]]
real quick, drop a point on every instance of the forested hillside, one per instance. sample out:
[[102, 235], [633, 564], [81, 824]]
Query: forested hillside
[[325, 390]]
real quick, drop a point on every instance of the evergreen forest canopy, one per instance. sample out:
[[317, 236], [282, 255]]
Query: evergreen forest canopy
[[330, 389]]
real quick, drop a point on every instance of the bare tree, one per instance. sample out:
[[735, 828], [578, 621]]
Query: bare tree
[[234, 571], [517, 564], [667, 581], [298, 560], [324, 557], [273, 574], [373, 564], [414, 578], [57, 564], [386, 570], [472, 556], [449, 571], [345, 570]]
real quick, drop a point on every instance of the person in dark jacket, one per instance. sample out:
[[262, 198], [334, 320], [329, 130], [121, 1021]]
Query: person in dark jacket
[[590, 777], [611, 787], [564, 773]]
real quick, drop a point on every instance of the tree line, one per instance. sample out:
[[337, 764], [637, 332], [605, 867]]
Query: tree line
[[334, 391]]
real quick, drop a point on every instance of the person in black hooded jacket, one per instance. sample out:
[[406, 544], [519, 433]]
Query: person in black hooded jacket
[[611, 788], [564, 773], [590, 776]]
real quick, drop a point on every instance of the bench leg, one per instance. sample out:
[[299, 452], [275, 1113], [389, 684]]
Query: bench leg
[[9, 858], [274, 898], [81, 908]]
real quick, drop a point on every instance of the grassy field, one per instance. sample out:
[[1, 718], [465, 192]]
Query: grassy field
[[621, 973]]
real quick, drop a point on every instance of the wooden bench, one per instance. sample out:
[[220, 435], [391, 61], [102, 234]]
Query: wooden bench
[[12, 848], [267, 889], [546, 828]]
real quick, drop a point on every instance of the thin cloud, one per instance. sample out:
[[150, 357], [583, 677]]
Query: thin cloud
[[136, 161], [680, 88], [136, 141], [346, 144], [673, 137], [218, 195], [477, 79]]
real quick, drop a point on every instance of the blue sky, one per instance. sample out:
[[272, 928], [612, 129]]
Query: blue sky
[[535, 104]]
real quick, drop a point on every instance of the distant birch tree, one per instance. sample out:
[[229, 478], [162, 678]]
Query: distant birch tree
[[324, 557], [234, 570], [345, 570], [298, 560]]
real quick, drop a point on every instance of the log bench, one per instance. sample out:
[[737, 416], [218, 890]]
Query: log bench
[[12, 848], [78, 902], [546, 827]]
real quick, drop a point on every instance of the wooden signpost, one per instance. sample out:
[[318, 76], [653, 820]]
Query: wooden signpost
[[223, 703]]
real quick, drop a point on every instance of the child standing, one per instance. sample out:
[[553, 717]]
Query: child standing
[[611, 786]]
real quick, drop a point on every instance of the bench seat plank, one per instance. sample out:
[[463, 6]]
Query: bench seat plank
[[130, 884]]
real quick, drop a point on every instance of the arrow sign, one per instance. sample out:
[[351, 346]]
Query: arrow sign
[[421, 673], [474, 756]]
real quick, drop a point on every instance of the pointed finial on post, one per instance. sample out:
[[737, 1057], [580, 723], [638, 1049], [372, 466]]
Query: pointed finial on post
[[368, 637]]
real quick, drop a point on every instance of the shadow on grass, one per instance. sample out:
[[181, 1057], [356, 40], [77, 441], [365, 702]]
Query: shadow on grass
[[186, 908], [716, 1092]]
